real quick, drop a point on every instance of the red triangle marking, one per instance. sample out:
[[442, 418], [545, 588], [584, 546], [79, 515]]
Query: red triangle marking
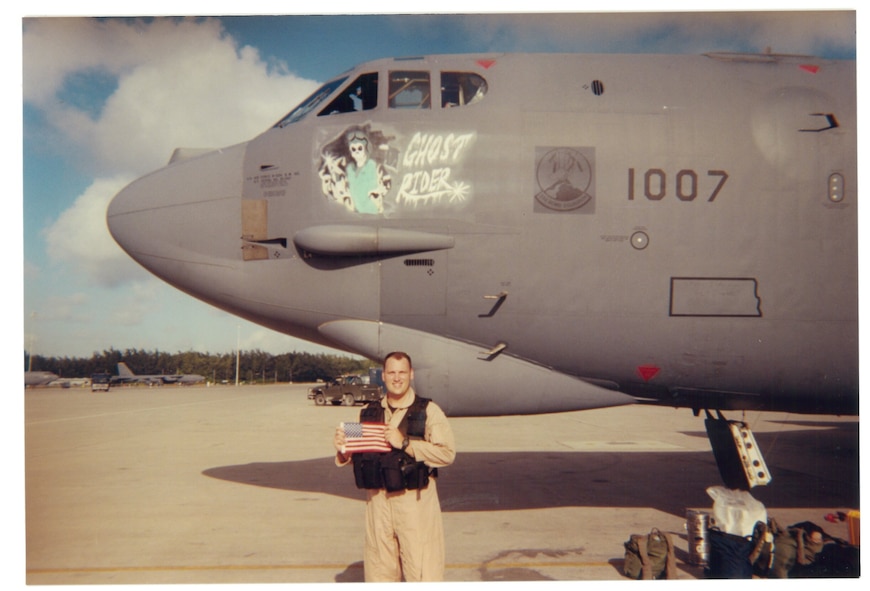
[[486, 64], [647, 372], [810, 68]]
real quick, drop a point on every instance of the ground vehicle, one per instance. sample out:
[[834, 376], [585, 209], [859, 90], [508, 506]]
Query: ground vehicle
[[100, 382], [347, 390]]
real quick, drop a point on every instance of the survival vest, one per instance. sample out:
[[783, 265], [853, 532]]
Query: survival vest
[[394, 470]]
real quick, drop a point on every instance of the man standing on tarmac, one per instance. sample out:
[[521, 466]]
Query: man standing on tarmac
[[404, 533]]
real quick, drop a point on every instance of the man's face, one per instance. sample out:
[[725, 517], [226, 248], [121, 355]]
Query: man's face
[[397, 377]]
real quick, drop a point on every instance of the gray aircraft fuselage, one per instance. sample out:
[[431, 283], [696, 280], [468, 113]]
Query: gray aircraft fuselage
[[542, 233]]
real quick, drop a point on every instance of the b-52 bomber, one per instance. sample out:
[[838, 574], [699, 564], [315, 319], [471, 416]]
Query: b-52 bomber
[[542, 233], [126, 376]]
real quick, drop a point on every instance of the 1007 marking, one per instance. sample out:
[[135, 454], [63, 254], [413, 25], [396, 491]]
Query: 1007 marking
[[686, 184]]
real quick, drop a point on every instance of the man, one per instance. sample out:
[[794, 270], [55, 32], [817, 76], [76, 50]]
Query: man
[[404, 533]]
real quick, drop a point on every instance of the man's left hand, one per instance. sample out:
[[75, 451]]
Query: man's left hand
[[394, 437]]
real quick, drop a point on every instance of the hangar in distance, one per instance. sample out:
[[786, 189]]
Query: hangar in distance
[[542, 233]]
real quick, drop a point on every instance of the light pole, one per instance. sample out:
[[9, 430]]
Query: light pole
[[238, 339]]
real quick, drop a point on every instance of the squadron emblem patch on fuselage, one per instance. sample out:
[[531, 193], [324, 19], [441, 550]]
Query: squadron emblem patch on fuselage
[[565, 180]]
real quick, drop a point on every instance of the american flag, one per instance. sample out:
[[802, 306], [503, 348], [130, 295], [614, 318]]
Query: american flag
[[365, 437]]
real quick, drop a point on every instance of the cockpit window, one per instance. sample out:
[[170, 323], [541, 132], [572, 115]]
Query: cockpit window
[[461, 88], [410, 90], [360, 95], [311, 102]]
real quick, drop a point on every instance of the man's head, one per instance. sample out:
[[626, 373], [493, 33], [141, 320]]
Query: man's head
[[398, 374]]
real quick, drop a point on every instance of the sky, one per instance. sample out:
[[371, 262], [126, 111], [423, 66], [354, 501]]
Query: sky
[[106, 100]]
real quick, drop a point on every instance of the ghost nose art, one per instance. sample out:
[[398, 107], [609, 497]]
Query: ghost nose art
[[174, 221]]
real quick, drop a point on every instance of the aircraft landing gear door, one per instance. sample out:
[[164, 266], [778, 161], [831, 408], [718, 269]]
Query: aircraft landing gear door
[[414, 285]]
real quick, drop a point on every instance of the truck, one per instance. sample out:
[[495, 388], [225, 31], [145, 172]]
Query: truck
[[348, 390], [100, 382]]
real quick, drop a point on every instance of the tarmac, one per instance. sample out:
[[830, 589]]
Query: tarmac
[[225, 484]]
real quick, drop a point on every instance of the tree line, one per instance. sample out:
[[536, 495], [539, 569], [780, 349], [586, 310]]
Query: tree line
[[254, 366]]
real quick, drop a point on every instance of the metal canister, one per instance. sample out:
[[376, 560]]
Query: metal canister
[[854, 521], [697, 523]]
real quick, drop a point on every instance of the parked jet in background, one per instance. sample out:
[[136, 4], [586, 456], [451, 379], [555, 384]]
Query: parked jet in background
[[47, 378], [542, 233], [126, 375], [71, 382], [39, 378]]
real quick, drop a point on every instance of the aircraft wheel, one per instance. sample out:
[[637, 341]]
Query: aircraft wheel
[[319, 399], [348, 400]]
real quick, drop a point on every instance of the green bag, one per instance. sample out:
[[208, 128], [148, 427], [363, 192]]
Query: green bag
[[650, 556]]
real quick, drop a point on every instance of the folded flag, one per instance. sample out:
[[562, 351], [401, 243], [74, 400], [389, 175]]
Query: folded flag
[[364, 437]]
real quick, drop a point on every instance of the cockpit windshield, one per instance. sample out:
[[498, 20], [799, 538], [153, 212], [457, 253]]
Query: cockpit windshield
[[311, 102], [360, 95]]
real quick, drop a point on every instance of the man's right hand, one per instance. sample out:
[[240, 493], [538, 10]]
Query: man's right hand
[[339, 441]]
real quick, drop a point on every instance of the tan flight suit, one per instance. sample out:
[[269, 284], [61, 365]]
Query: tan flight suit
[[404, 531]]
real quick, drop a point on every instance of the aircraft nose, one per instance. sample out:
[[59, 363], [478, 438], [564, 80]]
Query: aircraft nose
[[185, 214]]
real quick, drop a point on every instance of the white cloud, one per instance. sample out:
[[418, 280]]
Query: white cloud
[[181, 83], [81, 239], [67, 307], [165, 83], [141, 299]]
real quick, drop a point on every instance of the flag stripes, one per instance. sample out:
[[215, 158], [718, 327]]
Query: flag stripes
[[364, 437]]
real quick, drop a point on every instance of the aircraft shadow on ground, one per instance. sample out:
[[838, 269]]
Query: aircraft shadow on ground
[[810, 469]]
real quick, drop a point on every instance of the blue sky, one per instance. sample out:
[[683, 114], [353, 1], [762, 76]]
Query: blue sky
[[107, 100]]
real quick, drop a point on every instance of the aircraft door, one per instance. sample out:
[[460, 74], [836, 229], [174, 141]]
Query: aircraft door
[[414, 285]]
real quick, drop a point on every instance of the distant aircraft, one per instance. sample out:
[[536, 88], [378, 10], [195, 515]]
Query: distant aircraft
[[542, 233], [70, 382], [47, 378], [39, 378], [126, 375]]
